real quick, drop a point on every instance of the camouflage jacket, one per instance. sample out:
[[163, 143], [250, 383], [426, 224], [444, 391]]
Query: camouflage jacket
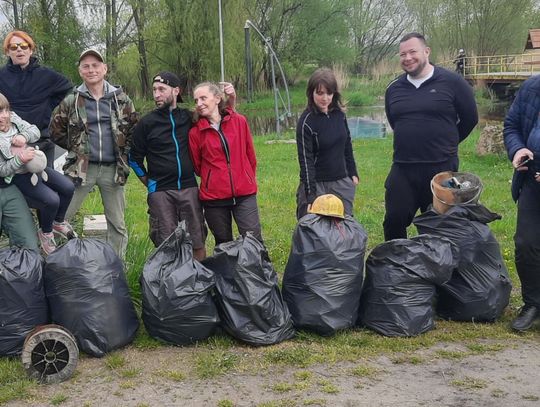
[[69, 130]]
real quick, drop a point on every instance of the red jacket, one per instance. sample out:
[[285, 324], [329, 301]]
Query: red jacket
[[224, 176]]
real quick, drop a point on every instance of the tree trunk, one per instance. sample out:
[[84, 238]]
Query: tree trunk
[[15, 14], [138, 15]]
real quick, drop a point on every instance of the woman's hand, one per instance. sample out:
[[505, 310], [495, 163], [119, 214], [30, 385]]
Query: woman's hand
[[355, 180], [18, 140], [230, 92]]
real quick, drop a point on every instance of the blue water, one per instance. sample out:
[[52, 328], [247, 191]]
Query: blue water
[[362, 127]]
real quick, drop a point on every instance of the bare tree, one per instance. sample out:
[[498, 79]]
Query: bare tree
[[376, 26], [138, 7]]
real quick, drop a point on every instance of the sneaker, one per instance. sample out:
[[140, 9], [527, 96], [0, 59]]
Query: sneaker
[[526, 318], [48, 245], [64, 229]]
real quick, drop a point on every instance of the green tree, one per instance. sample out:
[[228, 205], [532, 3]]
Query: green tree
[[57, 33], [481, 27], [375, 26]]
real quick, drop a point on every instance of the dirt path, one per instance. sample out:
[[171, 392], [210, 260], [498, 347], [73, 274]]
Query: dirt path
[[444, 375]]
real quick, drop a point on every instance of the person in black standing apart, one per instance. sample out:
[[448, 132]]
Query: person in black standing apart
[[431, 111], [324, 146], [522, 141], [33, 90], [460, 62]]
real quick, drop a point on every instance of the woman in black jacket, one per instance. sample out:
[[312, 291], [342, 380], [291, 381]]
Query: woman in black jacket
[[324, 145], [33, 90]]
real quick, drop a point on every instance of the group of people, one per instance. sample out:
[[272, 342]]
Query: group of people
[[430, 109], [96, 123]]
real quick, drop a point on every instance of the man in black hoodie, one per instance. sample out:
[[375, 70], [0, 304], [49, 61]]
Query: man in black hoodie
[[431, 110], [33, 90]]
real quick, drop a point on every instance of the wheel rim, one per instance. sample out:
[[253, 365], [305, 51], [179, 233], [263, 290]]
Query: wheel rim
[[50, 354]]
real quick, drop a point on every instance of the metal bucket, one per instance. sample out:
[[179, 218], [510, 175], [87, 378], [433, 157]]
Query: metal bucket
[[454, 188]]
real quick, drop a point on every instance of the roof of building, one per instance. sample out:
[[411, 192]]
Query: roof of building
[[533, 39]]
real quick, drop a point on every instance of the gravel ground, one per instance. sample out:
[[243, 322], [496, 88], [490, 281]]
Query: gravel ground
[[507, 375]]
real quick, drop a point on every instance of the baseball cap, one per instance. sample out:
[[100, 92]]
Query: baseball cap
[[91, 51], [168, 78]]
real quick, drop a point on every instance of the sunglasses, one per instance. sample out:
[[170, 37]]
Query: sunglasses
[[22, 45]]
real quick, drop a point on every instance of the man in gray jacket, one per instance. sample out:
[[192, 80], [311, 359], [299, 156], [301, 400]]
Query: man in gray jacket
[[94, 124]]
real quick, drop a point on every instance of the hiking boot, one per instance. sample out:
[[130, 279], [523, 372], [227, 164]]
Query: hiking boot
[[48, 245], [526, 318], [64, 229]]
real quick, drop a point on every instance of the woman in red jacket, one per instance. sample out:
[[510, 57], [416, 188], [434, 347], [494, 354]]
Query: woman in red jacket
[[223, 156]]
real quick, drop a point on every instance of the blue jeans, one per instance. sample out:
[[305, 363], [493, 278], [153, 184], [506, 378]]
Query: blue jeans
[[51, 198]]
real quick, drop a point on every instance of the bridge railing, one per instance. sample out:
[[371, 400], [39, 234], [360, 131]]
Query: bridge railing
[[498, 65]]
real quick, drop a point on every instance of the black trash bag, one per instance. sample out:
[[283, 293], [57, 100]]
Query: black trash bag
[[250, 303], [23, 305], [479, 289], [322, 283], [401, 277], [177, 303], [88, 295]]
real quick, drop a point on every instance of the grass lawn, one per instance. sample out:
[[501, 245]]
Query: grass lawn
[[278, 180]]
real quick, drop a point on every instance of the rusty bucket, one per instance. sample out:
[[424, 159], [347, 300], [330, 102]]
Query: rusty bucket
[[454, 188]]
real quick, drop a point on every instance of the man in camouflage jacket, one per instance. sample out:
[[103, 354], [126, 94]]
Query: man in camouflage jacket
[[94, 123]]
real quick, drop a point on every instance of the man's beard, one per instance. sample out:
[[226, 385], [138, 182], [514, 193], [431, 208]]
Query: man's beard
[[166, 103], [418, 70]]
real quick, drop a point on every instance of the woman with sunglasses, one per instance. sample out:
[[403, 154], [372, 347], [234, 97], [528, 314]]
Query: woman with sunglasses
[[32, 90]]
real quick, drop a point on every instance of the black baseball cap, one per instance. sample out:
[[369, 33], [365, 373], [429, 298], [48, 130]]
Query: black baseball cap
[[168, 78]]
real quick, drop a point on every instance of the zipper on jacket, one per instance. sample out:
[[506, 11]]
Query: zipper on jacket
[[99, 132], [178, 162], [225, 147]]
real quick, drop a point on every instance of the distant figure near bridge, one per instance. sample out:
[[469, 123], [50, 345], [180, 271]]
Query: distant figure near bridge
[[502, 73], [460, 62]]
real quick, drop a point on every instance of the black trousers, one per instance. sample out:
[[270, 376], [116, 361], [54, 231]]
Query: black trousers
[[246, 216], [407, 190], [527, 242]]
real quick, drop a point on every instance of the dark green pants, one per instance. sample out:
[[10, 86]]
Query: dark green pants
[[16, 220]]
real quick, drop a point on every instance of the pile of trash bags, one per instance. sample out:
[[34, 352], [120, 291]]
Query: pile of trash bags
[[237, 289], [454, 269], [479, 289]]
